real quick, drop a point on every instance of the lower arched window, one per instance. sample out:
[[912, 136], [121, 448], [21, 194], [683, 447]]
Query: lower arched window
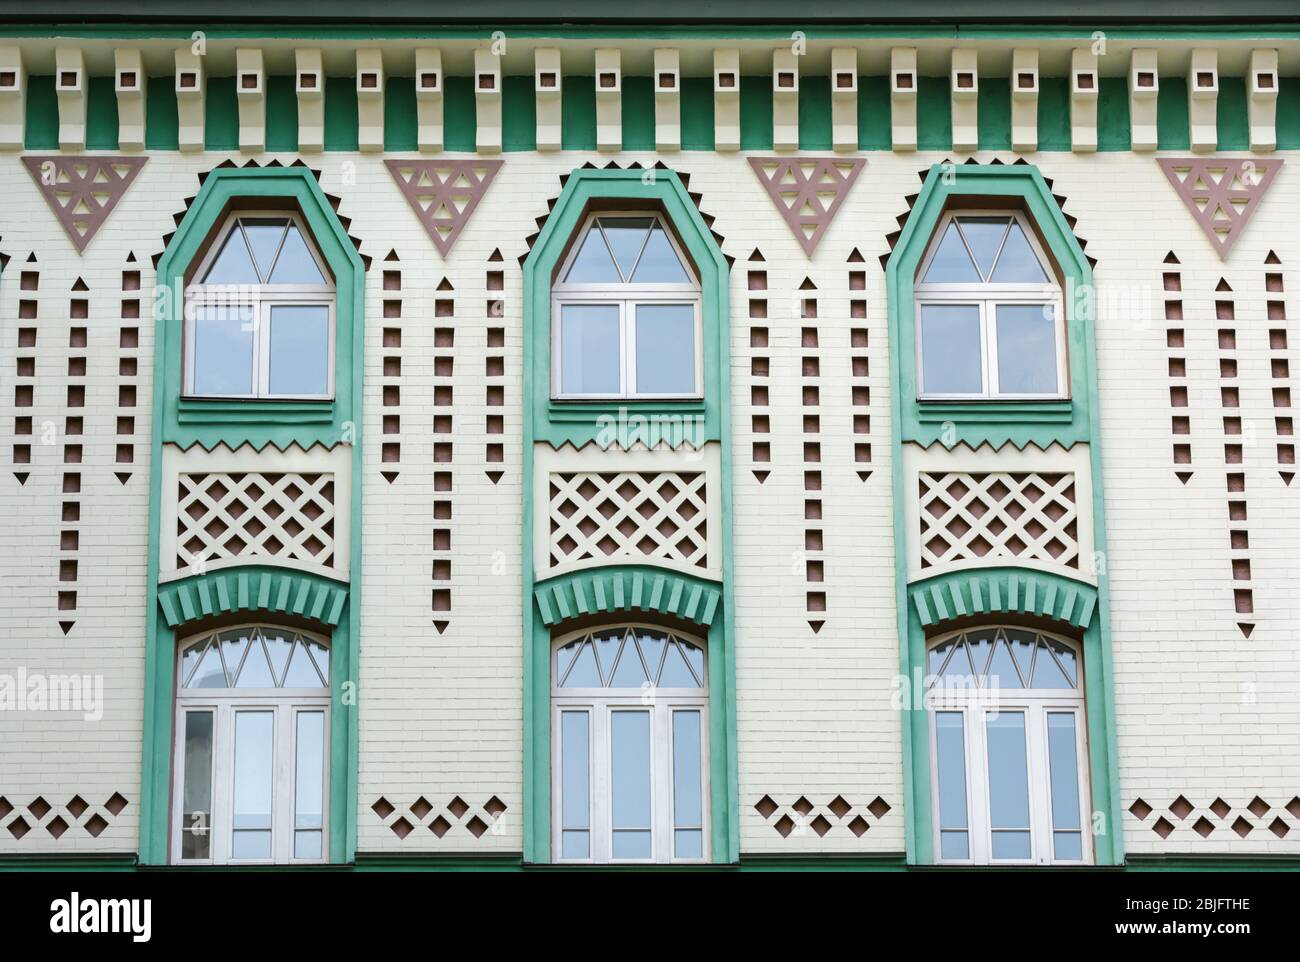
[[630, 747], [252, 747], [1009, 748]]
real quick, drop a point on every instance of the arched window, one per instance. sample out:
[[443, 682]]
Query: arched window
[[259, 318], [626, 310], [252, 747], [630, 710], [989, 315], [1009, 747]]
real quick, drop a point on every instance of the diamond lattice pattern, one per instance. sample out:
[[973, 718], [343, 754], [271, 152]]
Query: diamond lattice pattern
[[242, 515], [966, 516], [610, 515]]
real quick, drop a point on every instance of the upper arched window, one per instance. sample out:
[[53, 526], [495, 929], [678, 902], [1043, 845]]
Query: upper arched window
[[1010, 749], [990, 320], [259, 318], [252, 747], [626, 313]]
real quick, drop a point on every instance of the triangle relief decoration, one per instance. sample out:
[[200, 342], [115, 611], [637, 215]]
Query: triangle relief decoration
[[1221, 194], [443, 193], [808, 191], [82, 191]]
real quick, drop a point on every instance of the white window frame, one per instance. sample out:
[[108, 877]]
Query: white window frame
[[285, 704], [986, 297], [975, 707], [625, 297], [599, 704], [262, 299]]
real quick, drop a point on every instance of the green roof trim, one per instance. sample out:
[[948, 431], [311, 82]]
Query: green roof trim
[[994, 591], [260, 588], [621, 589]]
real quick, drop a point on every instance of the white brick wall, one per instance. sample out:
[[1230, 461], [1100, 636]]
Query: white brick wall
[[441, 713]]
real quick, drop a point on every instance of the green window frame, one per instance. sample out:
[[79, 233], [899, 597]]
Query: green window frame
[[618, 593], [324, 604], [1054, 602]]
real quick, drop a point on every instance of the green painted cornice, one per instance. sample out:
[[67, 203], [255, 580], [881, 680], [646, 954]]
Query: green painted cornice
[[257, 589], [628, 590]]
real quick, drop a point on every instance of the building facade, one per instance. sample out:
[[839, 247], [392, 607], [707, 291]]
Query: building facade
[[742, 442]]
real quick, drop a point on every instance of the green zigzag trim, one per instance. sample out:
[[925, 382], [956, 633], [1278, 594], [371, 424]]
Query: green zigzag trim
[[609, 590], [1004, 591], [256, 589]]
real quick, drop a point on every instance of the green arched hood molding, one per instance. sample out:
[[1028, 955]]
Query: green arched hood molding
[[1002, 591], [994, 422], [279, 423], [627, 589], [255, 589], [580, 422]]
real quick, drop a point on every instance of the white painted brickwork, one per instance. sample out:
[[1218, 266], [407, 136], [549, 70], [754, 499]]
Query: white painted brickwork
[[1203, 712]]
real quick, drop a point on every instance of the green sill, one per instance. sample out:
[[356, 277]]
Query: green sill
[[195, 411], [995, 412], [590, 412]]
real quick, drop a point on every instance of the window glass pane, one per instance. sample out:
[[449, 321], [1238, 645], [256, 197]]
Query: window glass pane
[[629, 672], [983, 236], [950, 752], [626, 236], [196, 795], [256, 672], [223, 349], [234, 645], [1022, 647], [210, 673], [251, 822], [583, 674], [607, 646], [951, 362], [575, 784], [321, 655], [630, 783], [687, 788], [309, 784], [295, 265], [659, 263], [980, 644], [1062, 760], [190, 660], [1018, 264], [676, 672], [278, 646], [264, 236], [665, 349], [1047, 673], [301, 673], [300, 349], [233, 265], [652, 644], [1026, 336], [1002, 670], [593, 265], [589, 349], [951, 263], [1008, 773], [1066, 657]]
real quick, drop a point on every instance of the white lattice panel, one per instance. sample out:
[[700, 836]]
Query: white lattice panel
[[226, 507], [246, 515], [628, 515], [969, 516]]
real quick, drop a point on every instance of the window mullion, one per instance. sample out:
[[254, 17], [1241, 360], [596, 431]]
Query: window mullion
[[988, 333], [977, 777], [662, 753], [627, 348], [220, 824]]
